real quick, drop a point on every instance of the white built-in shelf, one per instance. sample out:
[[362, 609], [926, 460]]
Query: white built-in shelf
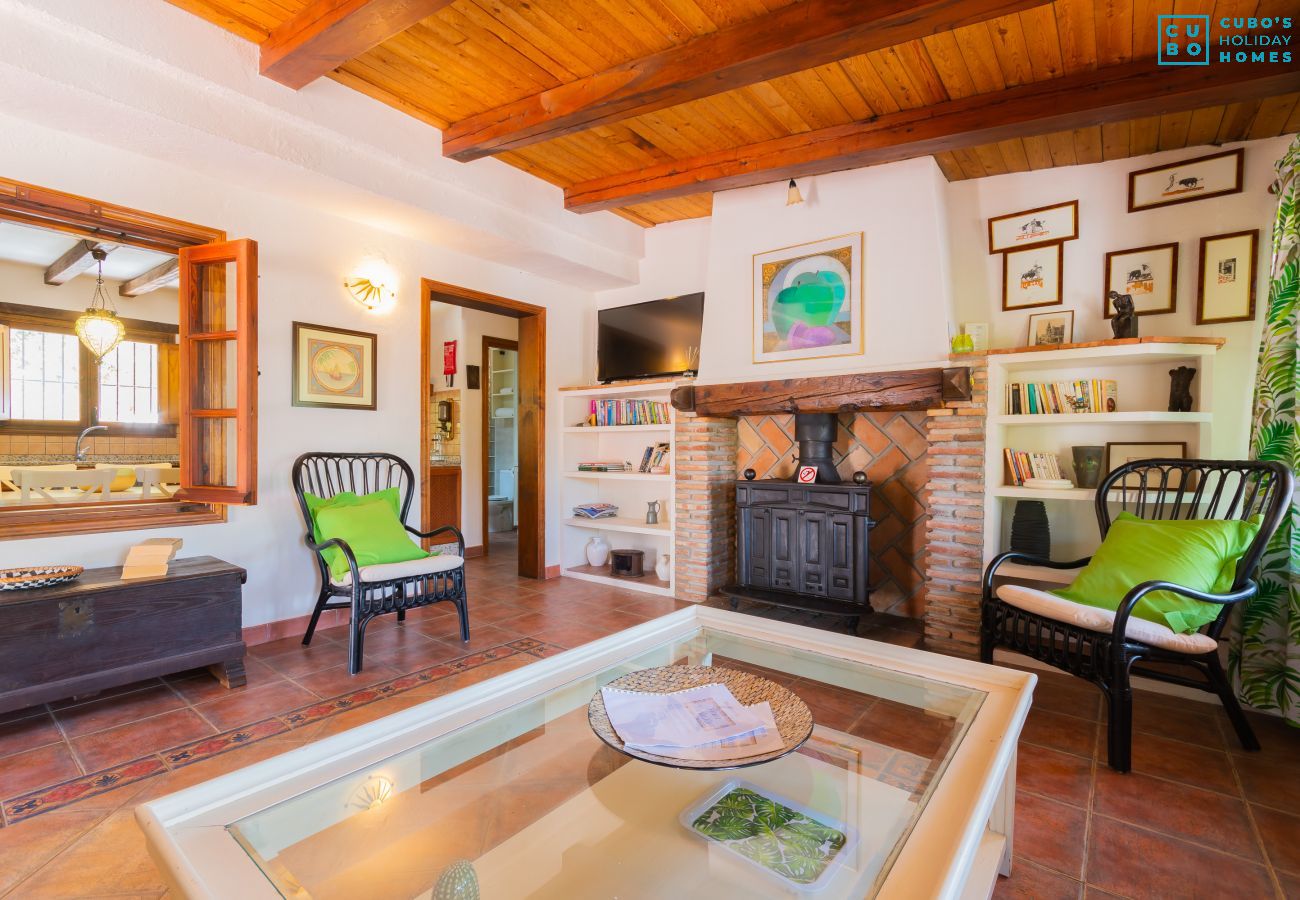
[[620, 476], [614, 429], [1027, 493], [649, 583], [1139, 417], [626, 524]]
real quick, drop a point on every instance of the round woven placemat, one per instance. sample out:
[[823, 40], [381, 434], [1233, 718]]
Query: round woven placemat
[[794, 719], [37, 577]]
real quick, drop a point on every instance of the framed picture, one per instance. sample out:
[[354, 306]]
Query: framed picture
[[471, 377], [1120, 452], [1032, 277], [1148, 274], [1187, 180], [1034, 227], [333, 367], [1226, 291], [808, 300], [1051, 328]]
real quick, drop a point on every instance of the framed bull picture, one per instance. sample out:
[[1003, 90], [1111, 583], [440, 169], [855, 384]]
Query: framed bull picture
[[1032, 277], [1034, 227], [1147, 274], [1187, 180]]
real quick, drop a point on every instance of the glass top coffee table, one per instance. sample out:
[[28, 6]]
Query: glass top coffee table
[[907, 780]]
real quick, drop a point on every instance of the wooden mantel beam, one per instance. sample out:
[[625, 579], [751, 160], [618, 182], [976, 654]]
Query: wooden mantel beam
[[1111, 94], [160, 275], [325, 34], [77, 260], [912, 389], [793, 38]]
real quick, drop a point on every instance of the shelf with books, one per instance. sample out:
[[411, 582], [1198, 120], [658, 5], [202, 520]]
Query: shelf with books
[[616, 429], [1136, 378]]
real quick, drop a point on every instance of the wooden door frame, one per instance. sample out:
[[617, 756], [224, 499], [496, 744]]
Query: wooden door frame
[[490, 343], [530, 417]]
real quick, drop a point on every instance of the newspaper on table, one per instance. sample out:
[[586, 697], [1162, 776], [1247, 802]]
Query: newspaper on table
[[700, 723]]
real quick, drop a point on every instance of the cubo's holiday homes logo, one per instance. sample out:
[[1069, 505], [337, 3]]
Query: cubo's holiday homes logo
[[1186, 40]]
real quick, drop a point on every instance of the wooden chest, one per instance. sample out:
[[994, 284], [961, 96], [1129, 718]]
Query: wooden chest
[[99, 631]]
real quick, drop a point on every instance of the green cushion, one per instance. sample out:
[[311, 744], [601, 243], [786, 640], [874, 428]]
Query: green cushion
[[370, 526], [1198, 554]]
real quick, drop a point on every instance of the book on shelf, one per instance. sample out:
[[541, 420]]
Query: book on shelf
[[653, 457], [1023, 465], [629, 412], [595, 511], [1035, 398], [607, 466]]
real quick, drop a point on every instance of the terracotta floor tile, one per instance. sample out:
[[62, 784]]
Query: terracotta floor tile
[[33, 769], [1179, 761], [335, 681], [1177, 809], [107, 693], [305, 660], [1060, 732], [1193, 722], [830, 707], [1290, 885], [1268, 781], [203, 687], [904, 727], [254, 704], [26, 846], [1133, 862], [1031, 882], [90, 717], [1051, 834], [447, 630], [414, 657], [25, 713], [111, 855], [1281, 835], [290, 644], [1277, 739], [1072, 696], [127, 742], [1063, 776], [28, 733], [655, 606]]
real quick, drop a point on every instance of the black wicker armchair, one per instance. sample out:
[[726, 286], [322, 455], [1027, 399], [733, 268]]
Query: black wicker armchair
[[1107, 653], [372, 591]]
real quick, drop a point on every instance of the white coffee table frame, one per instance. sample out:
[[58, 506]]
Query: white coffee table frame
[[960, 843]]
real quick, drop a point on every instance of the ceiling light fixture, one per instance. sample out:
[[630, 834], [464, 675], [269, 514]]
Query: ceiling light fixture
[[792, 194], [99, 328]]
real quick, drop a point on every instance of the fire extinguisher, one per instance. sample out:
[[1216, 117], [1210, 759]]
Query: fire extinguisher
[[449, 362]]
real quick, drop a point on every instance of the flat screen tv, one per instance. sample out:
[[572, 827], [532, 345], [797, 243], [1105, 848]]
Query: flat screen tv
[[661, 337]]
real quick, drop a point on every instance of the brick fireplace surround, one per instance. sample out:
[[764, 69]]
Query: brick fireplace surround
[[928, 468]]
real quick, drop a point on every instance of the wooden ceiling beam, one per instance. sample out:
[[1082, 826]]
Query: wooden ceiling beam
[[77, 260], [910, 389], [160, 275], [794, 38], [327, 33], [1111, 94]]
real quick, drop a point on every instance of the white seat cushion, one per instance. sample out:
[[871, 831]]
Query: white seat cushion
[[1051, 606], [409, 569]]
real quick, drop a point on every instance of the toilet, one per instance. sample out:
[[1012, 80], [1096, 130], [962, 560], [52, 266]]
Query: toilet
[[501, 505]]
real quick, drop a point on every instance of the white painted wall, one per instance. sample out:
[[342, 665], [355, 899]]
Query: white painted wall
[[469, 326], [25, 284], [305, 253], [1105, 225]]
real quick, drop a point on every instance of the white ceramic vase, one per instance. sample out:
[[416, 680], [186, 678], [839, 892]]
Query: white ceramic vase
[[597, 551], [664, 568]]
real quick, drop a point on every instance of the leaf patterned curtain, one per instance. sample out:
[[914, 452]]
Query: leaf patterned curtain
[[1265, 656]]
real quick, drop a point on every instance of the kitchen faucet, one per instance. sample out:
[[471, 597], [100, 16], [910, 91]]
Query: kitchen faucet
[[81, 451]]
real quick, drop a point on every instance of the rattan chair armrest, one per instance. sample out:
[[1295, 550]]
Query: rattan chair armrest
[[347, 554], [1135, 595], [1018, 556], [425, 535]]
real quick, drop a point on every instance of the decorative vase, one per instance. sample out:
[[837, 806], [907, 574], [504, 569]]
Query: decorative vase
[[598, 551], [1029, 530], [1087, 465], [664, 568], [652, 512], [458, 881]]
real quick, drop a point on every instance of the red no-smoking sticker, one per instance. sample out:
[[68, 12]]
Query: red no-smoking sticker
[[807, 474]]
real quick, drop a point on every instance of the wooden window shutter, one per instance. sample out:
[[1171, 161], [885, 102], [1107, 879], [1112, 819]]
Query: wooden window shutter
[[169, 384], [218, 373]]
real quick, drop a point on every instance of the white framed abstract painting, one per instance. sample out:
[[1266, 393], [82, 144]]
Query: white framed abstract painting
[[808, 300]]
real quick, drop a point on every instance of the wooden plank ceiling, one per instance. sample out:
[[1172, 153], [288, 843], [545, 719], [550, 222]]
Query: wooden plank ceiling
[[470, 57]]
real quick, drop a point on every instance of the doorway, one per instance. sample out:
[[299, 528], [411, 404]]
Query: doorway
[[500, 440], [527, 431]]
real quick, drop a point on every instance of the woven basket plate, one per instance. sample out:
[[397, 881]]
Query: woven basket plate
[[36, 577], [793, 717]]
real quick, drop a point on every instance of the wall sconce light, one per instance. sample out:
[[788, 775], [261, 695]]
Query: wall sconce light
[[373, 285], [792, 194], [373, 793]]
